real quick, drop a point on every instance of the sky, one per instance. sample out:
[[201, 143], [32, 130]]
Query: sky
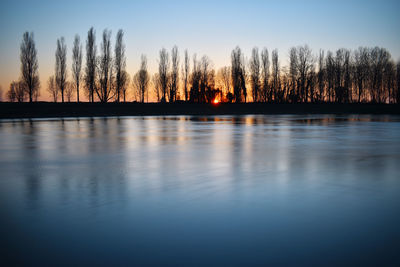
[[211, 28]]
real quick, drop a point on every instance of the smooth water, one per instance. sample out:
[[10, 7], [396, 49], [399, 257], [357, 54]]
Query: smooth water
[[279, 190]]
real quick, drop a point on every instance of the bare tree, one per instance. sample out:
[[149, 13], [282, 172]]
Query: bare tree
[[293, 73], [174, 77], [195, 80], [346, 79], [238, 75], [389, 77], [255, 74], [224, 78], [12, 92], [20, 91], [330, 74], [90, 71], [163, 66], [69, 91], [120, 63], [265, 73], [321, 75], [105, 90], [29, 65], [205, 79], [304, 65], [52, 88], [125, 79], [141, 79], [275, 73], [157, 86], [361, 69], [77, 64], [61, 66], [185, 74]]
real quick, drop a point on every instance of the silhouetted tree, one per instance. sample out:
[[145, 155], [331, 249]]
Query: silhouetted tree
[[185, 75], [224, 79], [330, 74], [77, 64], [311, 82], [347, 79], [157, 86], [20, 91], [174, 77], [360, 70], [105, 90], [321, 76], [293, 73], [284, 94], [120, 63], [304, 65], [206, 79], [195, 80], [275, 73], [124, 83], [141, 80], [255, 74], [265, 64], [163, 66], [389, 78], [238, 75], [90, 70], [52, 88], [29, 66], [12, 92], [61, 66], [69, 91]]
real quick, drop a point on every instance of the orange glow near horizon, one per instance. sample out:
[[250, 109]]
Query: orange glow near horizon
[[215, 101]]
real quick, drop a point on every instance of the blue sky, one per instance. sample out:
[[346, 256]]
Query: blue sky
[[213, 28]]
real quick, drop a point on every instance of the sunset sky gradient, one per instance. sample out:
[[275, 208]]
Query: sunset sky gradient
[[212, 28]]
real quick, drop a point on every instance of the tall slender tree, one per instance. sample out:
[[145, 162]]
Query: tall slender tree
[[105, 69], [265, 73], [174, 77], [90, 70], [61, 66], [195, 80], [119, 63], [185, 74], [29, 65], [77, 64], [321, 75], [275, 74], [304, 65], [293, 73], [163, 66], [52, 88], [238, 75], [142, 79], [330, 74], [255, 74]]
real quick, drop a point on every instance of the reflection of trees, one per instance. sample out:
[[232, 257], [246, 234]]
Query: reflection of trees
[[30, 163], [105, 159], [85, 158]]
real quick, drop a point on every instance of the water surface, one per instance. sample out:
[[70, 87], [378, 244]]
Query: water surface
[[280, 190]]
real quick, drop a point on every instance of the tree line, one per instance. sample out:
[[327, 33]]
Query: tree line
[[344, 76]]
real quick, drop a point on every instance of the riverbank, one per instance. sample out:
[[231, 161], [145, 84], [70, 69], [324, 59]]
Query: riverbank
[[49, 110]]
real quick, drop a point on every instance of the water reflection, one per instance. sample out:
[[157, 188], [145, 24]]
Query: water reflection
[[222, 190]]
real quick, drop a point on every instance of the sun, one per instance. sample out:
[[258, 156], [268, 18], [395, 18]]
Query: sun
[[215, 101]]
